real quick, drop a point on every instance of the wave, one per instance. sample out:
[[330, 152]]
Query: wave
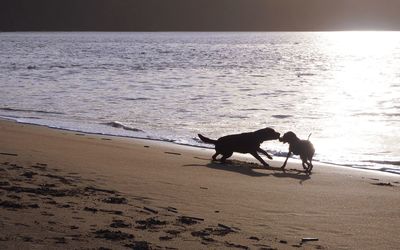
[[32, 111], [281, 116], [237, 116], [395, 163], [254, 109], [57, 66], [137, 99], [117, 124], [305, 74], [377, 114]]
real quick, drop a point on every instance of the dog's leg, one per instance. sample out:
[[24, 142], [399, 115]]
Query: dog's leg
[[287, 157], [310, 166], [264, 152], [214, 157], [226, 156], [259, 159], [304, 162]]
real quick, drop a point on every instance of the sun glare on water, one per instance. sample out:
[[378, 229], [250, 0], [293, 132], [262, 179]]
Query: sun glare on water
[[361, 64], [364, 43], [365, 56]]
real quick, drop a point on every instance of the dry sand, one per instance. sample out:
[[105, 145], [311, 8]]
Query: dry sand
[[68, 190]]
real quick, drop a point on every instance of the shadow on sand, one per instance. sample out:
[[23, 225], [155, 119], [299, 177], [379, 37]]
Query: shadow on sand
[[252, 169]]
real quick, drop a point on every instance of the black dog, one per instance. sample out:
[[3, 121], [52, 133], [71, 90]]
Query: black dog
[[242, 143], [304, 148]]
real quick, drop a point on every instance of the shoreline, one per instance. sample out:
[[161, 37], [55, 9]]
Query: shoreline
[[170, 143], [62, 189]]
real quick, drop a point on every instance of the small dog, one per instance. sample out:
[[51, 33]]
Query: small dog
[[242, 143], [304, 148]]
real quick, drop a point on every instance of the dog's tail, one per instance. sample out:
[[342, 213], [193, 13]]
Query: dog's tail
[[309, 136], [206, 140]]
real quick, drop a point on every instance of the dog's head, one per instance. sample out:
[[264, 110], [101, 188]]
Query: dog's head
[[267, 134], [288, 137]]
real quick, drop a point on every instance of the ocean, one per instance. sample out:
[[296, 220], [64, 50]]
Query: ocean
[[342, 87]]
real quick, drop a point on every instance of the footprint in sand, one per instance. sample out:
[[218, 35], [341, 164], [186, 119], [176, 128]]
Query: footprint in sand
[[150, 210], [60, 240], [175, 233], [112, 235], [165, 238], [4, 183], [150, 223], [115, 212], [116, 200], [188, 220], [120, 224], [233, 245], [46, 213], [91, 209], [29, 174], [139, 245], [11, 205]]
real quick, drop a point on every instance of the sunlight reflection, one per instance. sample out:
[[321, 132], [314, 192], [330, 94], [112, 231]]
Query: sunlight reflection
[[358, 60], [363, 43]]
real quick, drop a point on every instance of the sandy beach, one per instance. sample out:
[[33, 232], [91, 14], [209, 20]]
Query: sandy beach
[[68, 190]]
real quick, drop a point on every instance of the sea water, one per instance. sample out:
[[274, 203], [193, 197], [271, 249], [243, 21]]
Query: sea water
[[343, 88]]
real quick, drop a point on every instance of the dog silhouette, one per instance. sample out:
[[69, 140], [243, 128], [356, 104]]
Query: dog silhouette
[[304, 148], [242, 143]]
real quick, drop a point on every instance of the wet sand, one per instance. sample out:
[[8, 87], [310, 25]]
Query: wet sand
[[69, 190]]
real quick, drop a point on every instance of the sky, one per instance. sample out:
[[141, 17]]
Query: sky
[[199, 15]]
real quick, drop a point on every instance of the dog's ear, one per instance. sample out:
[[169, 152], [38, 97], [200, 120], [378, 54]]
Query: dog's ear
[[290, 134]]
